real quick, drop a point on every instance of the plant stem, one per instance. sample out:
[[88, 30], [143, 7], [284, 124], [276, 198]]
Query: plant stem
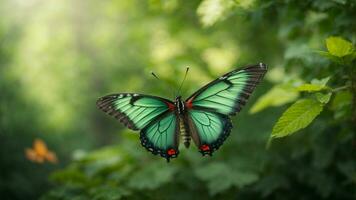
[[340, 88], [353, 92]]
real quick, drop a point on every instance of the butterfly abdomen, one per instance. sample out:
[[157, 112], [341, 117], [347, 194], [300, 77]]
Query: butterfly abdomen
[[180, 110], [183, 131]]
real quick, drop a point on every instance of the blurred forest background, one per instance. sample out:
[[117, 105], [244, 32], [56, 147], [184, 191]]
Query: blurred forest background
[[58, 57]]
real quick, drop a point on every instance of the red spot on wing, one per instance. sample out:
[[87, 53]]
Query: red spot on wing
[[171, 152], [189, 103], [171, 106], [204, 147]]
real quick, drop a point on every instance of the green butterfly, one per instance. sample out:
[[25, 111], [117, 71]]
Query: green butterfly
[[203, 117]]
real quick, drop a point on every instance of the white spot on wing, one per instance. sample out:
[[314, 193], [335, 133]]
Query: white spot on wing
[[263, 65]]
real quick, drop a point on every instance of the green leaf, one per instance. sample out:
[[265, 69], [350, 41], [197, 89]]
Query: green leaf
[[331, 57], [70, 174], [150, 178], [67, 192], [220, 177], [339, 47], [323, 98], [343, 2], [108, 192], [270, 183], [310, 88], [277, 96], [343, 98], [315, 85], [341, 104], [296, 117], [322, 82]]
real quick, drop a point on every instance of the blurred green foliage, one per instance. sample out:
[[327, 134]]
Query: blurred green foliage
[[58, 57]]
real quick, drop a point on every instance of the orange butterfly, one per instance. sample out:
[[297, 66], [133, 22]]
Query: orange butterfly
[[40, 153]]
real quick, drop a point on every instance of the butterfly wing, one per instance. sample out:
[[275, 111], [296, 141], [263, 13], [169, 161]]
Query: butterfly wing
[[208, 129], [162, 136], [154, 116], [134, 110], [227, 94], [209, 108]]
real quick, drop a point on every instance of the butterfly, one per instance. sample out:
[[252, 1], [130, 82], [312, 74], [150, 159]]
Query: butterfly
[[204, 117], [40, 153]]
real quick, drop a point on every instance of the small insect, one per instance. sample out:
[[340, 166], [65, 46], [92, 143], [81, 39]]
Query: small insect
[[40, 153], [202, 117]]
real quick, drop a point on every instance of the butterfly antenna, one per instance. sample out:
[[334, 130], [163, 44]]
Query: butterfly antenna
[[185, 76], [154, 75], [171, 88]]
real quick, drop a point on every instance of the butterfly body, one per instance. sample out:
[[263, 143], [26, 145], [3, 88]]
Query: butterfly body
[[180, 112], [203, 118]]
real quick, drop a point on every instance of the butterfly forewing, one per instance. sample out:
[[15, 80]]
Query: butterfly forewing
[[227, 94], [209, 108], [133, 110]]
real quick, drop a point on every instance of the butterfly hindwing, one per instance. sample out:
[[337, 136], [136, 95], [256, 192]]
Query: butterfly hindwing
[[162, 136], [133, 110], [208, 129], [227, 94]]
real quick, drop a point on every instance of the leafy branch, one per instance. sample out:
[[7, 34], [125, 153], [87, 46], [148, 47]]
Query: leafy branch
[[318, 94]]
